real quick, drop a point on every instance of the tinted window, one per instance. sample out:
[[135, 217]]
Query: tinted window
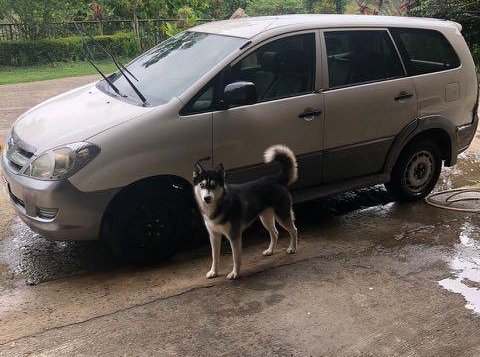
[[360, 56], [281, 68], [204, 100], [425, 51]]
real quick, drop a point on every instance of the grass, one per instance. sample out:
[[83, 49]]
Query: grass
[[13, 75]]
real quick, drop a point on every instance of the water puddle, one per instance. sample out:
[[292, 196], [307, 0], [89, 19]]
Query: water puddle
[[28, 256], [465, 265], [465, 173]]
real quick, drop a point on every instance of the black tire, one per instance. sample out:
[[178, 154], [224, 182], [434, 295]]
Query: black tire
[[148, 225], [416, 171]]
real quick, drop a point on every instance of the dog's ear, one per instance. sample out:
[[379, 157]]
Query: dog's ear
[[197, 170], [220, 170]]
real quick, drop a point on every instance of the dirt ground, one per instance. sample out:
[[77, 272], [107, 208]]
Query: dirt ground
[[371, 278]]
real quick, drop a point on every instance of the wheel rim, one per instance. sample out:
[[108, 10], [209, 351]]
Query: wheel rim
[[155, 225], [419, 171]]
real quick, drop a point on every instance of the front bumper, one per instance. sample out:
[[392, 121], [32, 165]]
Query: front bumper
[[56, 209], [466, 133]]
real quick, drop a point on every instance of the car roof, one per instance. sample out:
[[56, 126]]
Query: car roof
[[248, 27]]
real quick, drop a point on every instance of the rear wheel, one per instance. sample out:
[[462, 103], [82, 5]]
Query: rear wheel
[[416, 171], [148, 225]]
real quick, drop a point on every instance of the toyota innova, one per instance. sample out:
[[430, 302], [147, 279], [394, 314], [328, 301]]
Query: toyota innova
[[361, 100]]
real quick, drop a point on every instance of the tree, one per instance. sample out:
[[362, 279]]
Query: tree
[[3, 9], [465, 12], [325, 6], [382, 7], [150, 9], [36, 17], [275, 7], [231, 5]]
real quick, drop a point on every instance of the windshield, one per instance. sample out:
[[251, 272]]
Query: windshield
[[169, 68]]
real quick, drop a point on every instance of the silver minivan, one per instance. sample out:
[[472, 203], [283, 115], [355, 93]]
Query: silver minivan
[[361, 100]]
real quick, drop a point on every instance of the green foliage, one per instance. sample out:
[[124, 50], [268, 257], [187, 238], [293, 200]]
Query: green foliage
[[223, 9], [186, 19], [28, 52], [465, 12], [35, 16], [275, 7], [325, 6], [230, 6], [278, 7], [380, 7], [475, 48], [171, 29], [3, 9], [150, 9]]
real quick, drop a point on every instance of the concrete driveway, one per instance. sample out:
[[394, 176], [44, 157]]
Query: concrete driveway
[[371, 278], [16, 99]]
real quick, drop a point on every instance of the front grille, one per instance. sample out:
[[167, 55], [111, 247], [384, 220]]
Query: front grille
[[14, 166], [18, 154]]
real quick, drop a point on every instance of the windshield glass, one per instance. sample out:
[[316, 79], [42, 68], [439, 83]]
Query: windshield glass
[[169, 68]]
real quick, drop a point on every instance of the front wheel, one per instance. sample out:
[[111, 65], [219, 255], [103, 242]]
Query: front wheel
[[416, 171], [147, 226]]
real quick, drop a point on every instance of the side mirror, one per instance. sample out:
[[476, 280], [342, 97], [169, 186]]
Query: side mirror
[[239, 93]]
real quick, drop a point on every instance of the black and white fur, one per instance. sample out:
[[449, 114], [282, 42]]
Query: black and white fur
[[229, 209]]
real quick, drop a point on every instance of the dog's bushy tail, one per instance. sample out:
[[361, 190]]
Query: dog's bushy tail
[[287, 160]]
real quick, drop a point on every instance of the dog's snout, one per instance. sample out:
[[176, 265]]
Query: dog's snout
[[207, 199]]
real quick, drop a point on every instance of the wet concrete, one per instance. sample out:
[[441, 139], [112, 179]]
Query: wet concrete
[[372, 277]]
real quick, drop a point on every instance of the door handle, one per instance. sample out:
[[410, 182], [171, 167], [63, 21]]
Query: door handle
[[403, 95], [309, 114]]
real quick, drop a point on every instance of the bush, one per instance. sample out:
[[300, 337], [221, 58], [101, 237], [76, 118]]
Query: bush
[[28, 52], [274, 7], [476, 55]]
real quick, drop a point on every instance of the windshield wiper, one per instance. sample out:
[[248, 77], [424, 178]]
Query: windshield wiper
[[120, 66], [89, 57]]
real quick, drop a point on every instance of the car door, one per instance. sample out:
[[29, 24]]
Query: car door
[[289, 110], [369, 100]]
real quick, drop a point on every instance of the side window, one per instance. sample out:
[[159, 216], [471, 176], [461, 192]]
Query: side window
[[425, 51], [361, 56], [204, 100], [281, 68]]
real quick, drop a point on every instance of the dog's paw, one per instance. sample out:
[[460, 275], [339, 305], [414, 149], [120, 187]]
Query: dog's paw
[[211, 274], [267, 252], [233, 275], [291, 250]]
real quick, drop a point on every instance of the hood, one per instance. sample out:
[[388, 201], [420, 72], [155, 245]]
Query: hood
[[73, 116]]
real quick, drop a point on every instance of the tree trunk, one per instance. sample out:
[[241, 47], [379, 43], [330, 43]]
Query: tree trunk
[[136, 29]]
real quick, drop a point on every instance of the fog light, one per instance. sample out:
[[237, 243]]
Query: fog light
[[47, 213]]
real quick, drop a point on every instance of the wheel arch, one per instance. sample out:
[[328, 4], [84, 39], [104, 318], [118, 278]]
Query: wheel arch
[[437, 128], [165, 182]]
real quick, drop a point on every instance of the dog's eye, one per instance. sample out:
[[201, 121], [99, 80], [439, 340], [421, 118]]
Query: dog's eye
[[213, 187], [202, 185]]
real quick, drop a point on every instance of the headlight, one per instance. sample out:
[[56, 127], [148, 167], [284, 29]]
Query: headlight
[[62, 162]]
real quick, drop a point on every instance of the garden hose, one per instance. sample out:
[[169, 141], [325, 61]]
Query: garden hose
[[456, 199]]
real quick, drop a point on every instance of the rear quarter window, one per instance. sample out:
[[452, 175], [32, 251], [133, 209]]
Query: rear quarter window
[[425, 51]]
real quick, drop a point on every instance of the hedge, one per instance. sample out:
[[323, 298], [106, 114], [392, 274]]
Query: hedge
[[28, 52], [476, 55]]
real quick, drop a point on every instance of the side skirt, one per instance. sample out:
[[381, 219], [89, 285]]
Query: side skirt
[[311, 193]]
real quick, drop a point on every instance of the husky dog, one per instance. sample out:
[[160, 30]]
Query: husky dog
[[229, 209]]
